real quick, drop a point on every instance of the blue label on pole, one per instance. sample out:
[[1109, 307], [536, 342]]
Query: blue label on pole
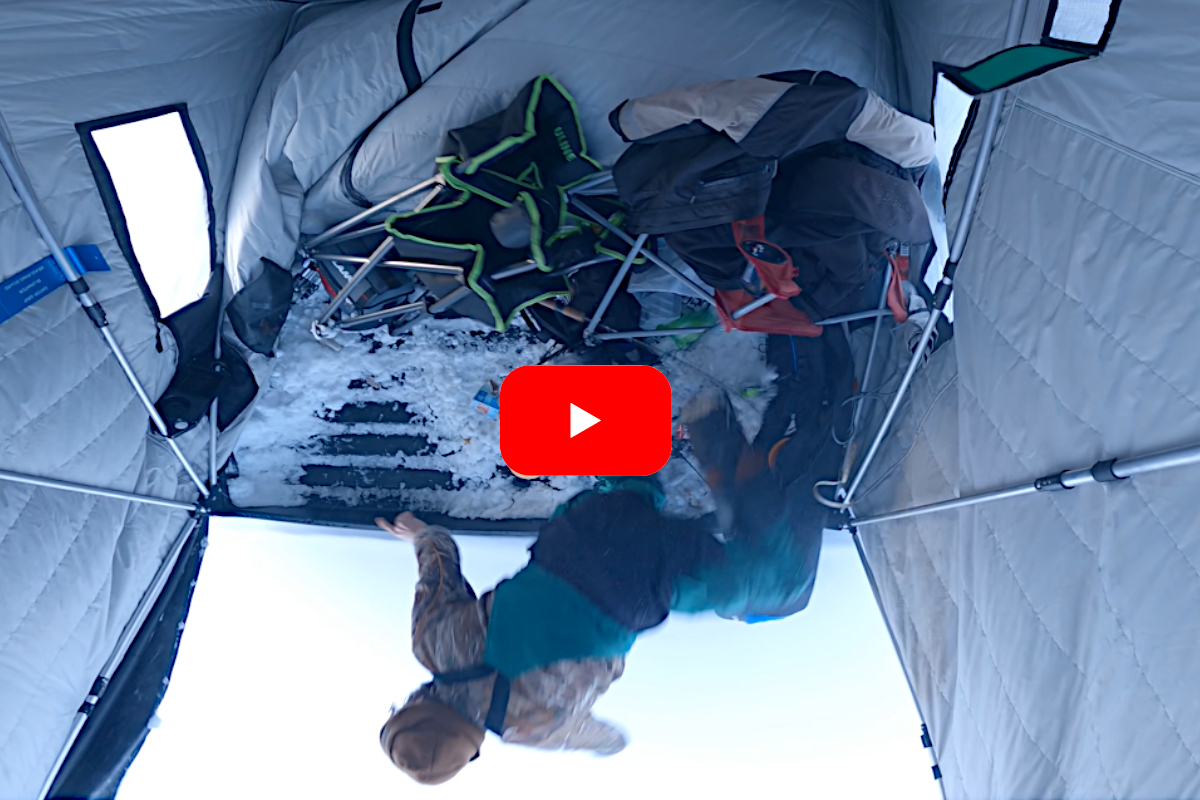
[[33, 283]]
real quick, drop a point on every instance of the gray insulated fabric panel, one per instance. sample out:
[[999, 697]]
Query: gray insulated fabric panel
[[72, 567], [604, 53], [1052, 640], [332, 80]]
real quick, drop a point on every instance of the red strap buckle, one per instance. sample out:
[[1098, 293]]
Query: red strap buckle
[[771, 262]]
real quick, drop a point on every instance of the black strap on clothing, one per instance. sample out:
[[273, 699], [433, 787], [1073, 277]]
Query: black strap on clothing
[[498, 708], [464, 675]]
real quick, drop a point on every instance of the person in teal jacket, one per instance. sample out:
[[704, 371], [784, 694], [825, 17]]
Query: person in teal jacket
[[528, 659]]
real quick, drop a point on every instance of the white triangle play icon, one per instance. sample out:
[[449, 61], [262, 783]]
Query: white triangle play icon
[[580, 420]]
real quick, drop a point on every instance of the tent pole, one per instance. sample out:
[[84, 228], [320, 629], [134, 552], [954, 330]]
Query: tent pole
[[1100, 472], [212, 411], [926, 739], [95, 312], [346, 225], [50, 483], [212, 443], [130, 632], [1012, 35], [851, 445], [701, 292]]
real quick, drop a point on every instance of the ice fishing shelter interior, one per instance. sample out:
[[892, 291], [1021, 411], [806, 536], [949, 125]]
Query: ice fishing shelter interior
[[170, 168]]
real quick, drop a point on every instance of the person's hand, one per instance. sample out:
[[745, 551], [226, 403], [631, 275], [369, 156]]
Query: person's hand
[[405, 527]]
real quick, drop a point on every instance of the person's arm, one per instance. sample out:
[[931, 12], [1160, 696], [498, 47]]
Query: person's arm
[[594, 735], [444, 615], [579, 732]]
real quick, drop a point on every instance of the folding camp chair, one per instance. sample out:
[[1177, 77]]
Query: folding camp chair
[[353, 229], [348, 310], [767, 264]]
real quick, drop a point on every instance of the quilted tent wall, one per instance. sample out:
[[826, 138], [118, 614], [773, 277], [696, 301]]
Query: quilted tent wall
[[1052, 640], [72, 567]]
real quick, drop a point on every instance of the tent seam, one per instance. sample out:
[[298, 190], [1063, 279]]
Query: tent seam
[[115, 419], [1023, 358], [17, 518], [91, 604], [1166, 530], [1100, 139], [912, 626], [920, 426], [37, 337], [143, 17], [1088, 680], [1112, 611], [917, 639], [87, 376], [1087, 311], [46, 583], [1008, 698], [1020, 162], [70, 313]]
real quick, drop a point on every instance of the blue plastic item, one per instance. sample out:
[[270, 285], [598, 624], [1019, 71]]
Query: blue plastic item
[[35, 282]]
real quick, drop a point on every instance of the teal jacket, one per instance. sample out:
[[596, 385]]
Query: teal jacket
[[765, 575], [538, 619]]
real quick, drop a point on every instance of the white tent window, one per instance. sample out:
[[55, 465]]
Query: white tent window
[[951, 110], [162, 194], [1082, 21], [951, 117]]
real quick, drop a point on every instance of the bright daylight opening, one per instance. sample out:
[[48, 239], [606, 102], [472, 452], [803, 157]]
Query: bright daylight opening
[[297, 645], [951, 108], [1080, 20], [162, 195]]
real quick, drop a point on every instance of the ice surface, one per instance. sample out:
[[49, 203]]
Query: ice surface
[[435, 368]]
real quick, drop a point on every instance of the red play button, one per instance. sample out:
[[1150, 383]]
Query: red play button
[[585, 420]]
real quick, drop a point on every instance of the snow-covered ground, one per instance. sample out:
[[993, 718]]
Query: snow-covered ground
[[435, 367]]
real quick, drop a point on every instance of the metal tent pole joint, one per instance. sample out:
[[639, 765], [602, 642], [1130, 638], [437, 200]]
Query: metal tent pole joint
[[93, 309], [1102, 472], [1108, 471], [94, 695], [1052, 483], [945, 286], [927, 743]]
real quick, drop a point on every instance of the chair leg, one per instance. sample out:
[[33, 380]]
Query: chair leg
[[754, 306], [341, 227], [701, 291], [355, 280], [612, 287], [377, 316], [606, 337]]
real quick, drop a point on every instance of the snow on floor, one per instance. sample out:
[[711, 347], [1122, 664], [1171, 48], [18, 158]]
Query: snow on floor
[[435, 367]]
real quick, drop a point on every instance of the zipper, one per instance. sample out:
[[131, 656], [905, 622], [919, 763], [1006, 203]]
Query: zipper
[[708, 184]]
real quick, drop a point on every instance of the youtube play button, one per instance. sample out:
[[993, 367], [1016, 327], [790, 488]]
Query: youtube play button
[[580, 420], [585, 420]]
